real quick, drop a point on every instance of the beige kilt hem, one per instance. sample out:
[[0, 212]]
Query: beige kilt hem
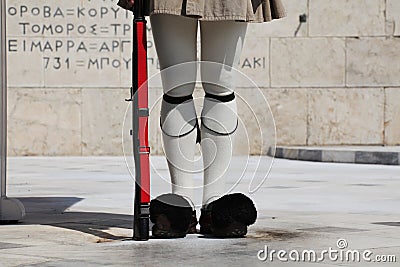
[[218, 18]]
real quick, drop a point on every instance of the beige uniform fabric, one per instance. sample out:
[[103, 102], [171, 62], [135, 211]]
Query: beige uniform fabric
[[256, 11]]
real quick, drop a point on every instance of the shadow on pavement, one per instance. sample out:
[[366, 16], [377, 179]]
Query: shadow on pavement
[[388, 223], [53, 211]]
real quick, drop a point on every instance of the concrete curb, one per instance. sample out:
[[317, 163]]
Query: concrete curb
[[360, 155]]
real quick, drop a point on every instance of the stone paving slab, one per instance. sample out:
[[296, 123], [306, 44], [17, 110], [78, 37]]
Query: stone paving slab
[[386, 155], [79, 214]]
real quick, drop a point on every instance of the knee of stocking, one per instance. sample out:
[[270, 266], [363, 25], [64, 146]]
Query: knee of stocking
[[219, 114], [178, 116]]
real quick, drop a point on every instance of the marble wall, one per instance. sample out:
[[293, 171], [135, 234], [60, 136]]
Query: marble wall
[[331, 80]]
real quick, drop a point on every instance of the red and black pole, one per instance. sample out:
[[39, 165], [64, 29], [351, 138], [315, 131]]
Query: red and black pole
[[140, 114]]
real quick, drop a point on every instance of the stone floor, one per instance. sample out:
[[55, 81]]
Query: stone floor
[[78, 214]]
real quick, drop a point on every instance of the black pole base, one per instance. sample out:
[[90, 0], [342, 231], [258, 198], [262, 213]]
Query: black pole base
[[141, 229], [141, 223]]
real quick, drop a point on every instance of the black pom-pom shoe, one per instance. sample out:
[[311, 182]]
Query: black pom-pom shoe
[[172, 215], [228, 216]]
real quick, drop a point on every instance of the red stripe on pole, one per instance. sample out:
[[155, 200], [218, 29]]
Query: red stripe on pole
[[143, 102]]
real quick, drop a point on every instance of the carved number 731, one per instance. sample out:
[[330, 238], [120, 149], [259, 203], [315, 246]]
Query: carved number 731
[[55, 62]]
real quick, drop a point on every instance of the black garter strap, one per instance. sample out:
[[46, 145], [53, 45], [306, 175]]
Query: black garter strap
[[176, 99], [237, 124], [222, 98]]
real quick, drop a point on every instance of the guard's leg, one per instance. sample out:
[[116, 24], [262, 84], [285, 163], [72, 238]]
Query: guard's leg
[[222, 43], [223, 215], [180, 130], [175, 42], [219, 122]]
